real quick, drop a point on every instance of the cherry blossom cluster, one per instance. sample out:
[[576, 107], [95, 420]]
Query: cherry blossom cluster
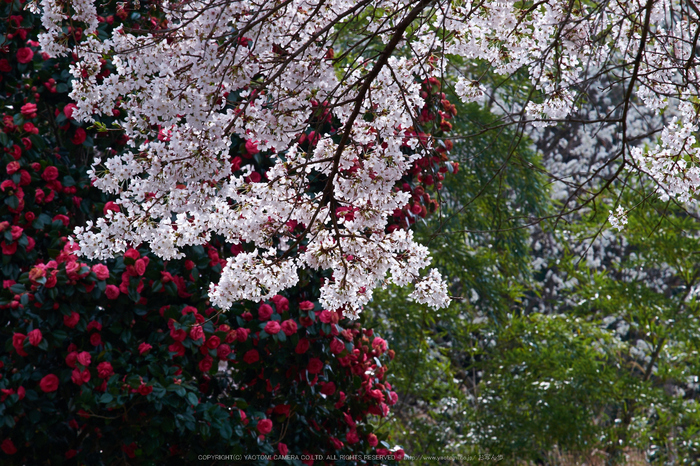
[[219, 73]]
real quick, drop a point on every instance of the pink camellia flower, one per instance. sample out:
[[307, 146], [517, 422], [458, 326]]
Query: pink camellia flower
[[35, 337], [16, 232], [306, 305], [24, 55], [28, 110], [84, 358], [101, 271], [272, 327], [264, 426], [105, 370], [264, 311], [49, 383], [12, 167], [112, 291], [289, 327], [144, 348]]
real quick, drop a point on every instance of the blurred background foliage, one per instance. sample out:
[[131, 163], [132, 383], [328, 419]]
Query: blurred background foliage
[[567, 342]]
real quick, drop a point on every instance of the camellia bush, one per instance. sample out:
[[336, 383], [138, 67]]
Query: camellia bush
[[127, 359]]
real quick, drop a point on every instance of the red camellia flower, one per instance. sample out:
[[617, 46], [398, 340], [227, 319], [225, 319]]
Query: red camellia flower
[[196, 332], [18, 343], [242, 334], [315, 365], [352, 437], [79, 136], [5, 66], [264, 311], [72, 320], [337, 444], [8, 447], [71, 359], [281, 303], [144, 348], [289, 327], [337, 346], [328, 388], [272, 327], [372, 440], [110, 206], [140, 266], [265, 426], [49, 383], [112, 292], [80, 377], [145, 389], [68, 110], [132, 254], [206, 363], [25, 55], [8, 249], [282, 448], [251, 356], [222, 351], [213, 342], [35, 337], [96, 339], [105, 370], [302, 346]]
